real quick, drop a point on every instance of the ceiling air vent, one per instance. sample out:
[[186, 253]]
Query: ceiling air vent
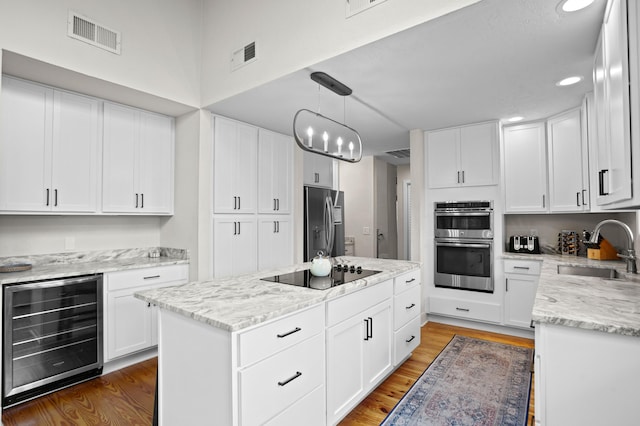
[[400, 153], [84, 29], [243, 56], [357, 6]]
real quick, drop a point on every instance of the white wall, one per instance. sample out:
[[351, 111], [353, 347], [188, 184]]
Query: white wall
[[161, 41], [356, 180], [404, 174], [292, 34], [25, 235]]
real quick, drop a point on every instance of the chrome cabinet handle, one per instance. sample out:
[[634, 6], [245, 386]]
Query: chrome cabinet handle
[[288, 333], [290, 379], [409, 340]]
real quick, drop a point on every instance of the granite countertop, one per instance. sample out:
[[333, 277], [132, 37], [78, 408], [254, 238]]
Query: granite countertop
[[239, 302], [60, 265], [607, 305]]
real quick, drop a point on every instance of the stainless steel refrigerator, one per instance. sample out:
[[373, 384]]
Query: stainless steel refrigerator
[[323, 222]]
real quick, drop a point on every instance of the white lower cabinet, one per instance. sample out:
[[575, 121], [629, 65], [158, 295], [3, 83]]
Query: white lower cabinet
[[275, 242], [475, 310], [585, 377], [130, 323], [359, 340], [521, 284], [406, 315], [235, 249]]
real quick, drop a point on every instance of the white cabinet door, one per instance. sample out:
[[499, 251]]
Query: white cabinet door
[[463, 156], [318, 170], [138, 156], [275, 168], [25, 146], [235, 166], [129, 327], [275, 242], [525, 168], [234, 245], [119, 160], [568, 180], [616, 174], [442, 158], [74, 153], [519, 298], [155, 162], [54, 167], [378, 359], [479, 154]]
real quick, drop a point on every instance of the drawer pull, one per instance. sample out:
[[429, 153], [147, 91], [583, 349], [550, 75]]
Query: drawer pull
[[151, 277], [462, 309], [410, 281], [409, 340], [290, 379], [521, 267], [295, 330], [410, 306]]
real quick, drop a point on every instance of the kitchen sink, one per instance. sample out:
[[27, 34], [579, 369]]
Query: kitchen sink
[[588, 271]]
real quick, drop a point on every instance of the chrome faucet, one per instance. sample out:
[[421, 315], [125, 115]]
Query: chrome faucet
[[630, 255]]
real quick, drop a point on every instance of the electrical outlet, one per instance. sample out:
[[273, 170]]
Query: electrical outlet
[[365, 230]]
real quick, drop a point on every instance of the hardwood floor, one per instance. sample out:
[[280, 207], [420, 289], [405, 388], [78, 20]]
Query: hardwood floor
[[125, 397], [435, 336]]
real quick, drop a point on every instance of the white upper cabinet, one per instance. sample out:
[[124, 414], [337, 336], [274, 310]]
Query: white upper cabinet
[[525, 168], [568, 163], [49, 145], [613, 104], [138, 160], [318, 170], [235, 166], [275, 170], [463, 156]]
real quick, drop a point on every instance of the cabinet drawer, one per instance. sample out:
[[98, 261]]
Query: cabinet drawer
[[406, 281], [309, 410], [528, 267], [406, 306], [406, 340], [464, 309], [146, 277], [270, 338], [347, 306], [272, 385]]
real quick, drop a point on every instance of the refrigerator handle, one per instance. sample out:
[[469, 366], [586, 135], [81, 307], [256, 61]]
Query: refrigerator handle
[[328, 206]]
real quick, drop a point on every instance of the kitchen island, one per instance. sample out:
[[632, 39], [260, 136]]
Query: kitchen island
[[242, 351], [587, 342]]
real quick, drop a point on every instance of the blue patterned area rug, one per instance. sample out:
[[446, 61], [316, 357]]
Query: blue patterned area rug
[[472, 382]]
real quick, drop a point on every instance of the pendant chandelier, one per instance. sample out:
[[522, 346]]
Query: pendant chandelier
[[322, 135]]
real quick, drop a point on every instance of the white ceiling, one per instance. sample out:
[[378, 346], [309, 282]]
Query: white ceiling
[[491, 60]]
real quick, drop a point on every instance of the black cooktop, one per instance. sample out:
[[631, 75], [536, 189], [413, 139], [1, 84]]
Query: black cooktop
[[340, 274]]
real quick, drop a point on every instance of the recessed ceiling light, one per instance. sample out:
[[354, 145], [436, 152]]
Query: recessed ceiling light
[[514, 119], [573, 5], [569, 80]]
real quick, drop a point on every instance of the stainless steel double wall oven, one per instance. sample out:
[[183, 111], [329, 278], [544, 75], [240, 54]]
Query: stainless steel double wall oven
[[463, 241]]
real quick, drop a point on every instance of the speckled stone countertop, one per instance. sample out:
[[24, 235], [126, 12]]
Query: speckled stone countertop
[[607, 305], [238, 302], [59, 265]]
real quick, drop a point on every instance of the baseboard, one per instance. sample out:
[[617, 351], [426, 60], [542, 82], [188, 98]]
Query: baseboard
[[126, 361], [494, 328]]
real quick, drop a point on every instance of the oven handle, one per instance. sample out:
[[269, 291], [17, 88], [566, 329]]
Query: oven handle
[[462, 244], [474, 213]]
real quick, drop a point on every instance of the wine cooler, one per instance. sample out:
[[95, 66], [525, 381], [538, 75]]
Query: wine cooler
[[52, 336]]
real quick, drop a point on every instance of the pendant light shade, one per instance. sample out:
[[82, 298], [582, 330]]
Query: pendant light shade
[[316, 133]]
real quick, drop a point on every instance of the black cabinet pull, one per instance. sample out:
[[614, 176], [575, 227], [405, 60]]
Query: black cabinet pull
[[410, 281], [583, 192], [290, 379], [142, 200], [274, 205], [370, 328], [239, 201], [462, 309], [521, 267], [136, 200], [578, 199], [47, 196], [239, 229], [409, 340], [289, 333], [151, 277], [278, 204], [274, 227], [410, 306], [601, 174], [458, 176], [278, 225], [55, 197], [366, 332], [463, 176], [235, 228]]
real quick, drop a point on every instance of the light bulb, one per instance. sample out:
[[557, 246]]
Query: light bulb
[[310, 134], [339, 141], [351, 149], [325, 138]]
